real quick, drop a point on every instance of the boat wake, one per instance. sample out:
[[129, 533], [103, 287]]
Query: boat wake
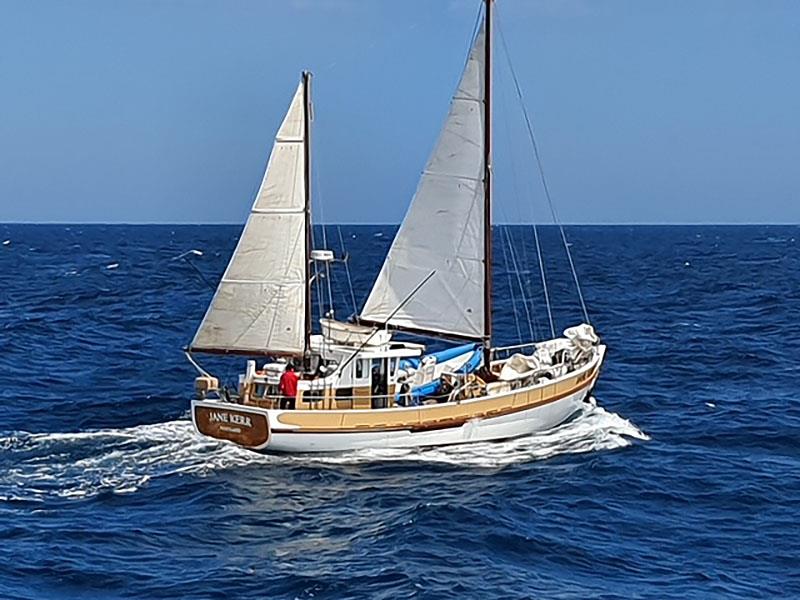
[[83, 464], [34, 467]]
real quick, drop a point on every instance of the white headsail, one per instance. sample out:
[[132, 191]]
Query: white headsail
[[444, 227], [259, 305]]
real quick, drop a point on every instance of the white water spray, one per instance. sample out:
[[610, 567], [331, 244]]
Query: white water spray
[[83, 464]]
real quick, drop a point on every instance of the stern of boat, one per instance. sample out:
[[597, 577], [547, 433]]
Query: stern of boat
[[246, 426]]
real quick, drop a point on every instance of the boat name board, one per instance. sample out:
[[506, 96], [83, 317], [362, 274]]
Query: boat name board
[[244, 427], [232, 418]]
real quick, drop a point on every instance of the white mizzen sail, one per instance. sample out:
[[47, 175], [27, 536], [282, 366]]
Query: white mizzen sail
[[444, 227], [259, 305]]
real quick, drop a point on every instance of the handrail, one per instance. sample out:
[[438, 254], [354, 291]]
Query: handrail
[[515, 346], [509, 349], [314, 398]]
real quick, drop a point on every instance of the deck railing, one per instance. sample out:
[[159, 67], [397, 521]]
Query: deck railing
[[503, 352], [315, 401]]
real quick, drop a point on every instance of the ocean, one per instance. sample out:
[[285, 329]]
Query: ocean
[[682, 480]]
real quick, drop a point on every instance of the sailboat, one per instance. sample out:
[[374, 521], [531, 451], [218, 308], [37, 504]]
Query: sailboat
[[362, 383]]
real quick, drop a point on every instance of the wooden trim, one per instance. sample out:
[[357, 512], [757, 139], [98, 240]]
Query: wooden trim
[[362, 398]]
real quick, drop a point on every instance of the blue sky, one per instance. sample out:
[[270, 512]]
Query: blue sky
[[163, 111]]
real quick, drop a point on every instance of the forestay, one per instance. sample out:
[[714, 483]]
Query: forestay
[[259, 306], [443, 229]]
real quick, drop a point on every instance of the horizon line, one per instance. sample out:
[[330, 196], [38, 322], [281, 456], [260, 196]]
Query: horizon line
[[361, 224]]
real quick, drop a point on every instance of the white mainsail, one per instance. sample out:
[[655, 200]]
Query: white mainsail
[[443, 230], [259, 305]]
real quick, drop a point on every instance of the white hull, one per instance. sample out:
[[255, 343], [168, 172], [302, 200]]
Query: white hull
[[517, 424]]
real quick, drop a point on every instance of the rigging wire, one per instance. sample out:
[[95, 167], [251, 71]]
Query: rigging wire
[[323, 226], [327, 272], [397, 33], [544, 280], [532, 325], [515, 264], [539, 254], [511, 293], [315, 279], [346, 260], [545, 187]]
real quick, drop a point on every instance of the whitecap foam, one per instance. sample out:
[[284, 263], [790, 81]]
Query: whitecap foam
[[83, 464]]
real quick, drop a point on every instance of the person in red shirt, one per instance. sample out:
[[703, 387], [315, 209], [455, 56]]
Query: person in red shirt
[[288, 387]]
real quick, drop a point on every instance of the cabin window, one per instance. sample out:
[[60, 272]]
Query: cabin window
[[344, 397], [380, 377], [362, 369], [260, 390]]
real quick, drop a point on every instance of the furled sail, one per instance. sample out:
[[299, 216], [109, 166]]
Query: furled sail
[[443, 229], [259, 305]]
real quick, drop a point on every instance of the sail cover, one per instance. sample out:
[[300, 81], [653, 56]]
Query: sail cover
[[443, 229], [259, 305]]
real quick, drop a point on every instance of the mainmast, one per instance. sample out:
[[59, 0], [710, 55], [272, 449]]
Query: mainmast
[[487, 194], [307, 183]]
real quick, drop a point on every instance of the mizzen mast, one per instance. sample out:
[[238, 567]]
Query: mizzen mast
[[306, 78]]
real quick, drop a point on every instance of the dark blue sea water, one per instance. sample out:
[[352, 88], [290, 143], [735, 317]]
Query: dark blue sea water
[[683, 481]]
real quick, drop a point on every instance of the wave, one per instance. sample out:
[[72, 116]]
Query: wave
[[38, 466]]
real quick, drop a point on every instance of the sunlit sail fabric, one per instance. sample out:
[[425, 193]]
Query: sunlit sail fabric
[[259, 305], [443, 229]]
